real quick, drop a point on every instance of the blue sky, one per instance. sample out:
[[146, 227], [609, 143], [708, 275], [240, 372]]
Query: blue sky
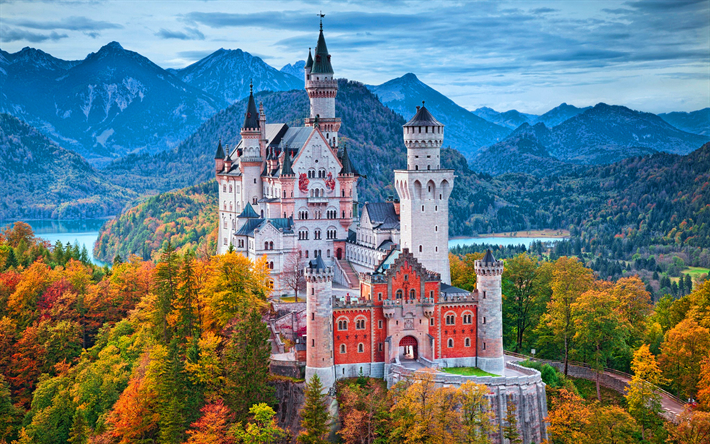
[[650, 55]]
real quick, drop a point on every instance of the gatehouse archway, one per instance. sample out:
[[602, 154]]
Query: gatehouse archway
[[408, 348]]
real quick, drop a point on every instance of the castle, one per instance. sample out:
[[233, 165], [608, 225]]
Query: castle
[[377, 284]]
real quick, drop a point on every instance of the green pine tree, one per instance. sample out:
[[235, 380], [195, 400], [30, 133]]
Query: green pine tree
[[246, 362], [315, 418], [166, 290], [510, 429]]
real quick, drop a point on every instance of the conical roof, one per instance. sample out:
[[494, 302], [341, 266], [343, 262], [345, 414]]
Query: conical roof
[[488, 258], [317, 264], [423, 118], [287, 169], [309, 62], [321, 64], [348, 167], [248, 212], [220, 151], [251, 117]]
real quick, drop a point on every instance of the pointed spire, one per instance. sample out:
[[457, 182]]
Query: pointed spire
[[348, 167], [488, 258], [309, 62], [251, 118], [266, 169], [322, 61], [220, 151], [248, 212], [287, 169]]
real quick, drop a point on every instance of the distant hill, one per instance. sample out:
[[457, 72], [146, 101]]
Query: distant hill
[[226, 73], [696, 122], [509, 119], [110, 104], [39, 179], [600, 135], [296, 70], [559, 114], [187, 217], [465, 131]]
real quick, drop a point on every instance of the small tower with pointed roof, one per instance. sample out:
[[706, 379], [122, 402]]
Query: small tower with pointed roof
[[489, 272], [424, 190], [319, 326], [251, 161], [219, 158], [322, 87]]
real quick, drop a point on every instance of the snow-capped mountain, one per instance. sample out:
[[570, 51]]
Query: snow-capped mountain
[[465, 131], [110, 104], [226, 73], [295, 69]]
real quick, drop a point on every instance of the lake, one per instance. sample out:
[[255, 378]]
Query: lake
[[84, 231], [505, 241]]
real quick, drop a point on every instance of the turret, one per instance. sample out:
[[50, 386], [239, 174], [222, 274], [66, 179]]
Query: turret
[[424, 190], [319, 326], [251, 160], [219, 158], [489, 273], [322, 87]]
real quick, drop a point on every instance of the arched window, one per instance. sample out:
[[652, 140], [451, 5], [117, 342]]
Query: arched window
[[342, 324], [412, 294], [450, 318], [343, 349], [450, 343], [399, 294], [271, 245], [360, 324], [361, 348], [467, 342], [420, 248], [266, 245], [467, 318]]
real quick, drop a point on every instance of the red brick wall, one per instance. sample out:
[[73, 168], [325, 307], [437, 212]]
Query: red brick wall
[[352, 337], [458, 331]]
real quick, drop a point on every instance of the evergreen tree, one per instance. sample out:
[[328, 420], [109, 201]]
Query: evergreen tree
[[655, 276], [117, 260], [166, 289], [688, 283], [187, 295], [510, 429], [246, 362], [315, 418], [84, 256]]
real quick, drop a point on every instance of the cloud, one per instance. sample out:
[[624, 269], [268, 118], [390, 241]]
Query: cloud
[[74, 23], [13, 35], [195, 55], [188, 34], [543, 10]]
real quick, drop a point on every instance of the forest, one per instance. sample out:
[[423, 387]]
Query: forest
[[177, 351]]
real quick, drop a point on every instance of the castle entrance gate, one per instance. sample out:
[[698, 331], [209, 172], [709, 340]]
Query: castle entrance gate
[[408, 348]]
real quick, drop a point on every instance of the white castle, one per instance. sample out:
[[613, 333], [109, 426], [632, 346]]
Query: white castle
[[290, 193]]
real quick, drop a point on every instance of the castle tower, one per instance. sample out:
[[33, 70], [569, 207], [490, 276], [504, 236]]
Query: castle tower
[[424, 190], [490, 314], [319, 328], [322, 87], [251, 161]]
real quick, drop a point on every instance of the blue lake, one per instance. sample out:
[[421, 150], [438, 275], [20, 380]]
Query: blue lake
[[85, 232]]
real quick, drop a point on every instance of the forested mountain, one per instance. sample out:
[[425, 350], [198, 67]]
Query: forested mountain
[[559, 114], [465, 131], [295, 69], [187, 217], [39, 179], [696, 122], [226, 73], [508, 119]]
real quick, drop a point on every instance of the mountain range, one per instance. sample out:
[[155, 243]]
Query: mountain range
[[696, 122], [464, 131], [513, 119]]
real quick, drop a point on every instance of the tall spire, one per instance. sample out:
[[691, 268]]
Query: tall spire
[[286, 169], [309, 62], [251, 118], [220, 151], [322, 59]]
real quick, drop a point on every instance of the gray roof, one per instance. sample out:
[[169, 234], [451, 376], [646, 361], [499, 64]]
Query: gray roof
[[294, 138], [322, 65], [488, 258], [309, 62], [248, 212], [423, 118], [220, 151], [317, 264], [280, 223], [449, 290], [382, 215], [348, 167], [251, 117]]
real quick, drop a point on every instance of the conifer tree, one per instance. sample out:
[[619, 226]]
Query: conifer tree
[[510, 429], [166, 290], [315, 418]]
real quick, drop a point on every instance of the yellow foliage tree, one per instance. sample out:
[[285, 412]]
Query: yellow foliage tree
[[684, 347]]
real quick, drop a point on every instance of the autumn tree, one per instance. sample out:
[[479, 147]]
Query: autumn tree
[[569, 418], [262, 428], [213, 426], [364, 412], [463, 274], [476, 415], [634, 306], [642, 397], [10, 416], [693, 427], [17, 233], [704, 384], [315, 417], [599, 329], [569, 280], [611, 424], [684, 347], [292, 274], [166, 290]]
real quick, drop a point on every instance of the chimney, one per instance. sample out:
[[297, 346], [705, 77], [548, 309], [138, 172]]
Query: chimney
[[396, 206]]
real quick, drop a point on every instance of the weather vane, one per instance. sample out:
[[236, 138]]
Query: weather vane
[[321, 15]]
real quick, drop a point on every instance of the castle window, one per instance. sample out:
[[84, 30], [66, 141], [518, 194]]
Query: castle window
[[230, 188], [484, 294], [422, 207], [484, 345], [412, 294], [406, 277], [225, 224], [241, 243], [224, 188], [380, 346], [431, 294], [266, 245], [328, 252], [316, 235], [431, 321], [343, 324], [271, 265], [360, 324], [450, 319], [450, 343], [467, 342], [313, 342], [379, 298], [361, 348], [428, 167], [379, 323], [467, 318], [484, 319], [225, 241], [436, 228], [420, 248], [398, 295], [343, 349], [416, 168]]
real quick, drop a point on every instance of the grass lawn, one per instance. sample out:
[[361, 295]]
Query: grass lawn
[[467, 371], [588, 390], [695, 272], [291, 299]]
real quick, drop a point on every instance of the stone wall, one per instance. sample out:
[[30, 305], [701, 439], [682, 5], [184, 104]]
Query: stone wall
[[577, 371], [527, 392], [290, 396]]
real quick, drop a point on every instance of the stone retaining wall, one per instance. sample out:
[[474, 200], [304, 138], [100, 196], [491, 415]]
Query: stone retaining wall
[[605, 380]]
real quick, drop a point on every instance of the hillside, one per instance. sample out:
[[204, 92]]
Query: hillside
[[465, 131], [111, 103], [187, 217], [508, 119], [226, 73], [559, 114], [696, 122], [39, 179]]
